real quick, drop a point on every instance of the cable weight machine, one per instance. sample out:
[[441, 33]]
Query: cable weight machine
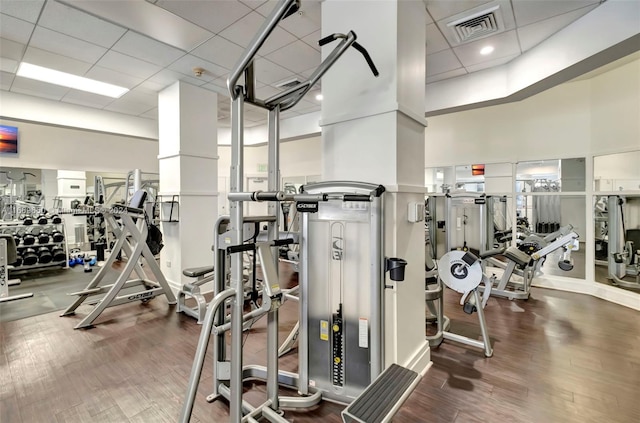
[[229, 372]]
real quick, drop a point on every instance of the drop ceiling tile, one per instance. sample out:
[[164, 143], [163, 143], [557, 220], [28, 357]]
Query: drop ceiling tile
[[65, 45], [505, 44], [128, 107], [530, 11], [446, 75], [534, 34], [152, 51], [267, 91], [224, 122], [8, 65], [128, 65], [439, 9], [111, 76], [15, 29], [491, 63], [212, 15], [151, 114], [186, 63], [300, 24], [83, 98], [254, 4], [255, 115], [167, 77], [435, 40], [38, 88], [442, 61], [220, 51], [217, 87], [27, 10], [312, 39], [269, 72], [11, 50], [141, 96], [148, 19], [296, 57], [243, 31], [35, 56], [6, 79], [78, 24]]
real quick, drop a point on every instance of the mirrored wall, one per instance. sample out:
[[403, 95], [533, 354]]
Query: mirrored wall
[[616, 219]]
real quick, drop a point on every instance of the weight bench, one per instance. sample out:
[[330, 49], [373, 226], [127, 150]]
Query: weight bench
[[519, 260], [192, 290], [379, 402]]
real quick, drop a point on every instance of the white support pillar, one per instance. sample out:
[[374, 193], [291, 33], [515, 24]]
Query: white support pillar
[[72, 186], [188, 155], [373, 131]]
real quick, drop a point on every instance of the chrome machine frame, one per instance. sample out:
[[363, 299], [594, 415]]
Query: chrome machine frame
[[229, 375]]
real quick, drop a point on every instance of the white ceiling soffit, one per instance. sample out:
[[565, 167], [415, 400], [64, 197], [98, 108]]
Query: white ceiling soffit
[[148, 19], [549, 64], [37, 109]]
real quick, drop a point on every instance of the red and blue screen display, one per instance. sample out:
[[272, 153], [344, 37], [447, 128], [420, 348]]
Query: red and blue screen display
[[8, 139]]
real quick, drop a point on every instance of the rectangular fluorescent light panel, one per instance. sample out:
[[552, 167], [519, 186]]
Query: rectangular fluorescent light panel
[[27, 70]]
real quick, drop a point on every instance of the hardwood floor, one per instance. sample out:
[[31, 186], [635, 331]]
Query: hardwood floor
[[559, 357]]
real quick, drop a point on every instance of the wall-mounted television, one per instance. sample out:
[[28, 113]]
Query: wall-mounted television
[[8, 139], [477, 169]]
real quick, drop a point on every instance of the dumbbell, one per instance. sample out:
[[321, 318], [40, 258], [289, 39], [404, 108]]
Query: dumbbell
[[28, 239], [27, 221], [29, 257], [18, 261], [57, 236], [43, 238], [58, 253], [44, 255], [55, 219], [17, 238], [42, 220]]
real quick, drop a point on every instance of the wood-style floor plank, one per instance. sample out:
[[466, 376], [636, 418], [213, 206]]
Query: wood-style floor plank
[[559, 357]]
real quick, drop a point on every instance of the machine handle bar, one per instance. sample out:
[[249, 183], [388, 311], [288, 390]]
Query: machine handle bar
[[281, 196], [356, 45], [252, 245], [367, 57]]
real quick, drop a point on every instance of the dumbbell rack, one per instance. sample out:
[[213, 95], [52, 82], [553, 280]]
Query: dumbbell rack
[[11, 226]]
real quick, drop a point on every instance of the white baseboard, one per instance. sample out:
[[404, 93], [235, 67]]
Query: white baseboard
[[420, 362], [582, 286]]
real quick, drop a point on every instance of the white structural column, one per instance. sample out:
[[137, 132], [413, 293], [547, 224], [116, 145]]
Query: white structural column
[[373, 131], [72, 186], [188, 163]]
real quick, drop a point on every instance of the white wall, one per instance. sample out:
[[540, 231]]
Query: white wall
[[594, 116], [51, 147]]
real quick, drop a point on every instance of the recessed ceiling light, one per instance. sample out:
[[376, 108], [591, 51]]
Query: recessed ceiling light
[[27, 70], [319, 97], [486, 50]]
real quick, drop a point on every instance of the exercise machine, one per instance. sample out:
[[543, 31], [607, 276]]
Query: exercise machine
[[525, 261], [131, 240], [8, 255], [460, 271], [622, 242], [229, 372]]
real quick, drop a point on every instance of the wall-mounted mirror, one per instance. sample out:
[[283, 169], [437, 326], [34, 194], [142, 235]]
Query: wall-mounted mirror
[[555, 175], [470, 178], [439, 179], [550, 219], [617, 240], [617, 172]]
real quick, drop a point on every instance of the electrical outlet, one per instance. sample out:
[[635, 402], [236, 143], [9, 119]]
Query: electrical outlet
[[168, 263]]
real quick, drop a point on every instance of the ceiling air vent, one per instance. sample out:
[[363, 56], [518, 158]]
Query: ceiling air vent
[[288, 83], [478, 25]]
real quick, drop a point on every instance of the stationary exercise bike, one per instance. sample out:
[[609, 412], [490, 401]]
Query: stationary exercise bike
[[462, 272]]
